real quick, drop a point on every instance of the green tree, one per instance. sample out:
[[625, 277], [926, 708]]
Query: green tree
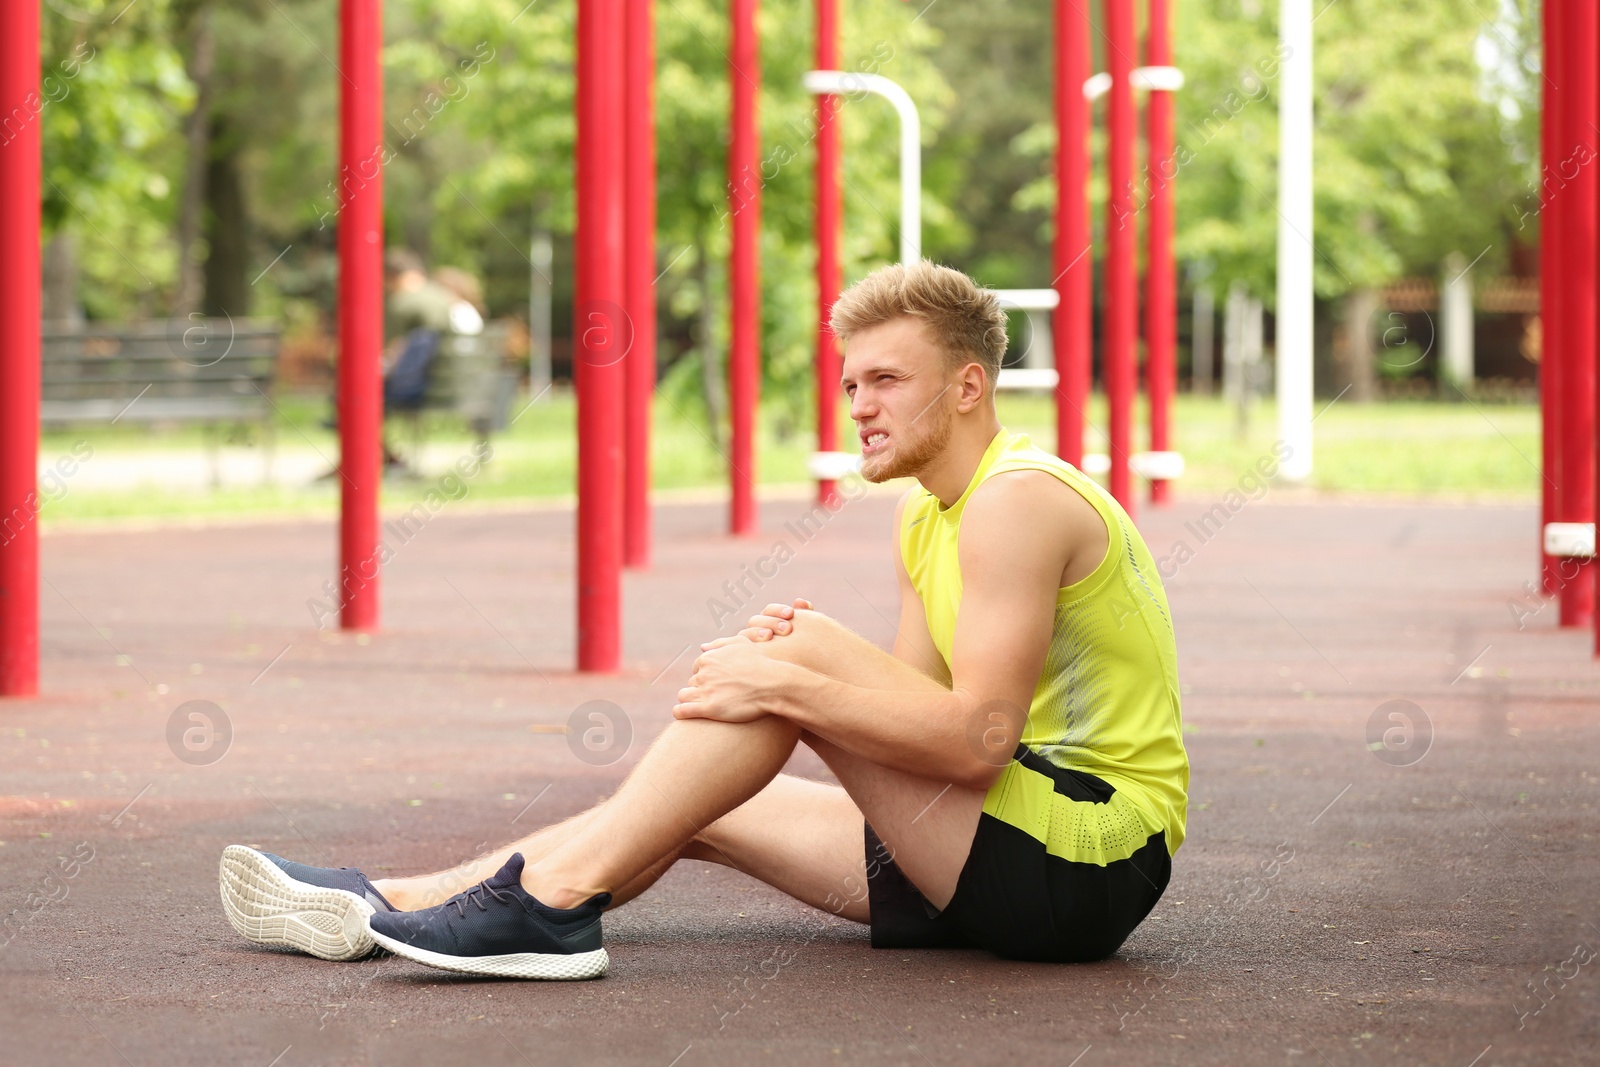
[[1420, 148], [112, 87], [499, 164]]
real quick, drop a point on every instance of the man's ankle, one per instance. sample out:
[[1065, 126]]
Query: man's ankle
[[415, 894], [396, 891], [554, 891]]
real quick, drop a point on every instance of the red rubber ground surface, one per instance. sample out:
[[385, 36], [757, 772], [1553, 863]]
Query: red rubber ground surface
[[1328, 908]]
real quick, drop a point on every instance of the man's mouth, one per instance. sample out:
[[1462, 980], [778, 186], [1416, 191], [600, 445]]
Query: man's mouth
[[873, 441]]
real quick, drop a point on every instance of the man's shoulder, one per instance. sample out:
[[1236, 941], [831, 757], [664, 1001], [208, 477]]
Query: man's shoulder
[[1032, 510], [1025, 473], [1024, 489], [1016, 507]]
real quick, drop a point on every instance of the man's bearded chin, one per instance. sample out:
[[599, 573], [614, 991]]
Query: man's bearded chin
[[912, 449]]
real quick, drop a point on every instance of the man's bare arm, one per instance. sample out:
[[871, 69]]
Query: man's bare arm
[[913, 645], [1013, 551]]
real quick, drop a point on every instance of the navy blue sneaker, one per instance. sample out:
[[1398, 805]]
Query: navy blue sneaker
[[496, 928], [320, 910]]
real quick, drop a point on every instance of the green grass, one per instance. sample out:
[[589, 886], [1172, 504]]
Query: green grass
[[1404, 448], [1412, 449]]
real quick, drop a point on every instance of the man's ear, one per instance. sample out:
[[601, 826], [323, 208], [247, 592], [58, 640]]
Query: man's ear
[[974, 383]]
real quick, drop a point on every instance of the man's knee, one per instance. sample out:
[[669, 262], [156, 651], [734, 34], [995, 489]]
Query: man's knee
[[756, 740], [811, 641], [807, 621]]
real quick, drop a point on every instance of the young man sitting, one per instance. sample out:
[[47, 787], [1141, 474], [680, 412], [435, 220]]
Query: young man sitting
[[1012, 777]]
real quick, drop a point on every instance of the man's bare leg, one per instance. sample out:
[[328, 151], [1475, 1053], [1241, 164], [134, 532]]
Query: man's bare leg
[[696, 772], [926, 825], [805, 837], [796, 835], [426, 890], [801, 837], [829, 647]]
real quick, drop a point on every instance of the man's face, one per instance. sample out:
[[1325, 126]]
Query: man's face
[[901, 398]]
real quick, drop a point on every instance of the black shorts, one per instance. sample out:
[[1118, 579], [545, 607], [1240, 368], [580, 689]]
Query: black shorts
[[1015, 899]]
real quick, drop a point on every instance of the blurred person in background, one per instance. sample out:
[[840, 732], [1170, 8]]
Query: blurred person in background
[[420, 313], [466, 314], [417, 318]]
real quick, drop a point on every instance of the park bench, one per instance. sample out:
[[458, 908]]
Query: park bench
[[213, 371], [219, 373], [468, 378]]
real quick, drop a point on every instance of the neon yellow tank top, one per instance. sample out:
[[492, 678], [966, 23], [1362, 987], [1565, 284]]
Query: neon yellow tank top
[[1107, 699]]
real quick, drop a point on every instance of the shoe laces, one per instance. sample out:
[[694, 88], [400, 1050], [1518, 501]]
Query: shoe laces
[[475, 894]]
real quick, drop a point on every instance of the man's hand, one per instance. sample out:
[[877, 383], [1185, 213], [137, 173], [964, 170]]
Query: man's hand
[[734, 682], [775, 619]]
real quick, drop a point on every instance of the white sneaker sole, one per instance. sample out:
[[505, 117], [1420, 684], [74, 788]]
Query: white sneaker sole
[[548, 966], [270, 908]]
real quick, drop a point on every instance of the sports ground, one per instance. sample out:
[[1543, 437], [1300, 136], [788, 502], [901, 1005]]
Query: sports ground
[[1363, 881]]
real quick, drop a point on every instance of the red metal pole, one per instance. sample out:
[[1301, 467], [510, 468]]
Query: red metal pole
[[600, 332], [830, 214], [1161, 286], [360, 308], [1580, 115], [1073, 326], [1551, 289], [640, 219], [744, 202], [1593, 43], [1121, 281], [20, 104]]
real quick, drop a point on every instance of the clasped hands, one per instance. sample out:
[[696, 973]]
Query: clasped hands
[[733, 680]]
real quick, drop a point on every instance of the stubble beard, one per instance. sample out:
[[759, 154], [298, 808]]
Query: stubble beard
[[911, 452]]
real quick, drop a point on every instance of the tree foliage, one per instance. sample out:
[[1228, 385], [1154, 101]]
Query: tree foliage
[[1426, 123], [112, 85], [1426, 143]]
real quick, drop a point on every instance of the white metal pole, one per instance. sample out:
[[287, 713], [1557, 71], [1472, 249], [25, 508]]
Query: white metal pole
[[1233, 344], [1294, 322], [540, 257], [1202, 342], [1455, 322], [840, 83]]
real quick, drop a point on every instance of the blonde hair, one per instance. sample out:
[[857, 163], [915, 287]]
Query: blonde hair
[[961, 317]]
